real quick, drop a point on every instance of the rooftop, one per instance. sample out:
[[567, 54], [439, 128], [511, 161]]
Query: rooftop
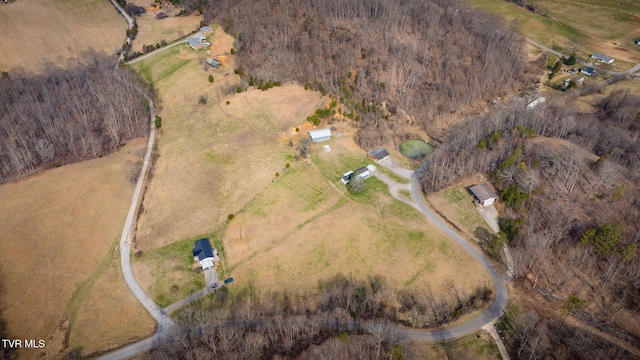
[[483, 192], [379, 153]]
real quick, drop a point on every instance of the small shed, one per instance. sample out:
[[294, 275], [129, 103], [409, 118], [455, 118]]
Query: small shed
[[589, 71], [379, 154], [601, 58], [213, 62], [203, 253], [483, 194], [319, 135]]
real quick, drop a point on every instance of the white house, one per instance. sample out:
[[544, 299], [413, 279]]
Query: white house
[[601, 58], [483, 194], [319, 135], [363, 172]]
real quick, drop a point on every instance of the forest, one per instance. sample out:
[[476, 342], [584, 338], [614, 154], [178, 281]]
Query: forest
[[568, 181], [68, 113], [379, 59]]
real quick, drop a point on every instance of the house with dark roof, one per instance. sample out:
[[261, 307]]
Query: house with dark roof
[[379, 154], [589, 71], [483, 194], [601, 58], [204, 253]]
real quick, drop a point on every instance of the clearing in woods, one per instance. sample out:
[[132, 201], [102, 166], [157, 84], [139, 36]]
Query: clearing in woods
[[152, 31], [60, 235], [37, 29], [292, 225]]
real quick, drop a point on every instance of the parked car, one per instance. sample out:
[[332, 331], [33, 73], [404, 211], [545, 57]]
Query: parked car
[[215, 285], [228, 280]]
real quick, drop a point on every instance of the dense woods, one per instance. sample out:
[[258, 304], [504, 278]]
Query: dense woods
[[345, 319], [422, 59], [70, 113], [571, 218]]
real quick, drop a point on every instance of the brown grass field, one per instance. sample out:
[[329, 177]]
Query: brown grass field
[[37, 29], [152, 31], [290, 230], [60, 232]]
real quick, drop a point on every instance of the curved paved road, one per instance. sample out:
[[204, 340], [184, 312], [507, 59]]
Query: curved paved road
[[500, 301]]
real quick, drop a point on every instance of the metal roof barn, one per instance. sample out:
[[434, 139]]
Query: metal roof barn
[[319, 135]]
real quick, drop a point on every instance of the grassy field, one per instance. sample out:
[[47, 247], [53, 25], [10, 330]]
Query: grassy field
[[60, 230], [595, 25], [38, 29], [456, 205], [152, 31], [214, 157], [307, 227], [292, 225]]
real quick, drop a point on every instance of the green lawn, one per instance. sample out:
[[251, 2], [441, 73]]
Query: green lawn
[[173, 265]]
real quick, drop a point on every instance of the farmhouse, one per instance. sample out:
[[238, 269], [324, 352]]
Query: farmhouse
[[198, 41], [365, 172], [319, 135], [576, 80], [203, 253], [379, 154], [588, 71], [601, 58], [483, 194]]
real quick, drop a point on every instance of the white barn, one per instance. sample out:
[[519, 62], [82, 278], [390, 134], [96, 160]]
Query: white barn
[[319, 135], [483, 194]]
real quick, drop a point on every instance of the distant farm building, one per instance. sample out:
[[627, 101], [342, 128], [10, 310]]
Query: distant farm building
[[588, 71], [576, 80], [602, 58], [204, 254], [536, 102], [213, 62], [319, 135], [379, 154], [206, 30], [198, 41], [483, 194]]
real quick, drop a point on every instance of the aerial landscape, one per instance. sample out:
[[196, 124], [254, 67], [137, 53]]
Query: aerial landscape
[[334, 179]]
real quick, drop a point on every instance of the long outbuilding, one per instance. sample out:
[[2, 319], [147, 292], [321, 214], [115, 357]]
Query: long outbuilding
[[319, 135]]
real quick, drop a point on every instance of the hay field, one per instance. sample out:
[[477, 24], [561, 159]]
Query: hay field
[[60, 230], [152, 31], [307, 227], [213, 158], [597, 25], [37, 29]]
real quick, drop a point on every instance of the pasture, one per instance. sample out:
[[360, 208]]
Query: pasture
[[34, 30], [59, 254]]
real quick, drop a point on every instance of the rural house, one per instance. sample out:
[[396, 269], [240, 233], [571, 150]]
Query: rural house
[[483, 194], [198, 41], [588, 71], [363, 172], [203, 253], [319, 135], [379, 154], [206, 30], [601, 58]]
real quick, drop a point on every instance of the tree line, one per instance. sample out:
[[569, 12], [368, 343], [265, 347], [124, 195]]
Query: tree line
[[345, 318], [420, 58], [67, 114]]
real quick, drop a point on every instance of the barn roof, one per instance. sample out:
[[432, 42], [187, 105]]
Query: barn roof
[[320, 133], [601, 57], [379, 153], [483, 192]]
